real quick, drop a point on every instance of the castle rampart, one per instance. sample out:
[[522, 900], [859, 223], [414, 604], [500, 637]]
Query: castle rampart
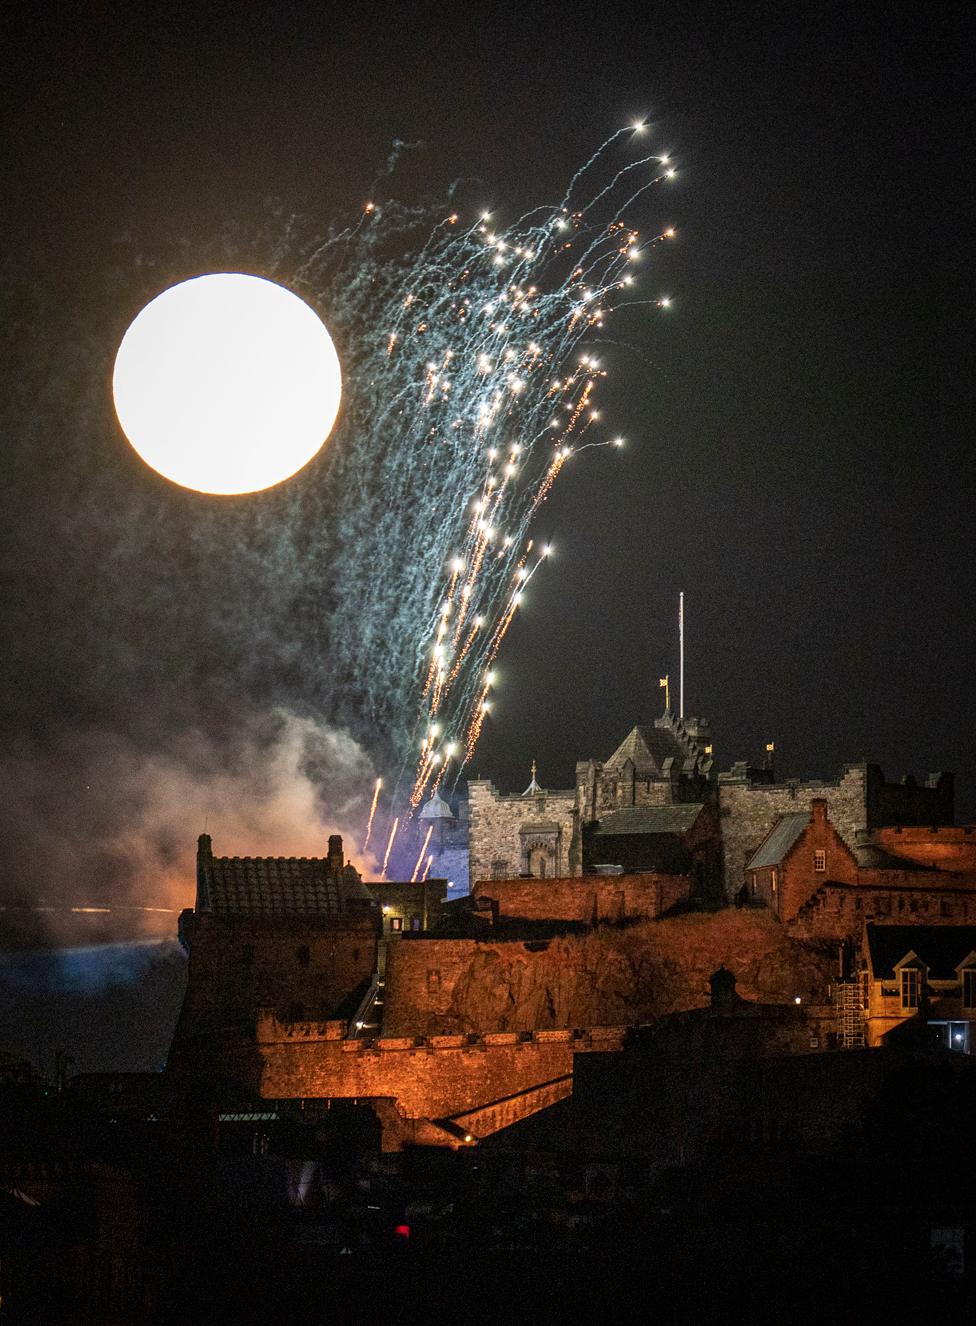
[[489, 1080]]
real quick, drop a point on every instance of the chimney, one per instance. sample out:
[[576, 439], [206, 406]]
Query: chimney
[[818, 810], [335, 853]]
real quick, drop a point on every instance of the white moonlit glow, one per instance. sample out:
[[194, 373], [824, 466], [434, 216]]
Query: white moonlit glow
[[227, 383]]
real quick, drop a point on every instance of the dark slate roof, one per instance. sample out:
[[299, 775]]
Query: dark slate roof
[[277, 885], [940, 947], [678, 819], [648, 748], [780, 839]]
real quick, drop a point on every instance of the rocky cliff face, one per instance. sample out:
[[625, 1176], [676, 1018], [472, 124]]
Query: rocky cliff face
[[609, 976]]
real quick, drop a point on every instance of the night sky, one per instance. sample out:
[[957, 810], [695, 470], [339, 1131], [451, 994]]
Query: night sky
[[799, 422]]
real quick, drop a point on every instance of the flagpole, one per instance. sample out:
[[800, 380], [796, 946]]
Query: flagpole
[[681, 650]]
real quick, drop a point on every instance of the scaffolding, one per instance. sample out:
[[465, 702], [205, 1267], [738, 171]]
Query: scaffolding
[[849, 1003]]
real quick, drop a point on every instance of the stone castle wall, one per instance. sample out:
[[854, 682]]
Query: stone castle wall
[[941, 847], [587, 899], [747, 812], [240, 963], [838, 911], [496, 821]]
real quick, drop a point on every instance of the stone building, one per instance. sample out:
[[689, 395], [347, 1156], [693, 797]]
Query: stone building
[[294, 934], [436, 840], [534, 833], [647, 807]]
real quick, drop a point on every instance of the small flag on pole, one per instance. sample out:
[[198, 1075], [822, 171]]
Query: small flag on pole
[[665, 684]]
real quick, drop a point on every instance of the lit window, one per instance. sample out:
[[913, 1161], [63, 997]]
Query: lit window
[[969, 988], [396, 922], [910, 986], [820, 859]]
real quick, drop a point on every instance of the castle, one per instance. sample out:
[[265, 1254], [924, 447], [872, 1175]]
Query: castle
[[591, 910]]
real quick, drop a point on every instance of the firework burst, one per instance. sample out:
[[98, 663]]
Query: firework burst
[[468, 393]]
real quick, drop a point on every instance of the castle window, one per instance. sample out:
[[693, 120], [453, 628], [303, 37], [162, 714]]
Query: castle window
[[945, 907], [969, 989], [396, 922], [416, 922], [910, 987], [820, 860], [303, 955], [499, 869]]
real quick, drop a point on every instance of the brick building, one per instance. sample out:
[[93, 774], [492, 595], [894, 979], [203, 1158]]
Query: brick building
[[750, 802], [813, 881]]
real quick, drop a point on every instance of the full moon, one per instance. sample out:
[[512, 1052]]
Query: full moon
[[227, 383]]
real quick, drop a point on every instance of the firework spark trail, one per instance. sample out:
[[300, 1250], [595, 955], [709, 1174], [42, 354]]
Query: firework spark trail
[[465, 386], [372, 812], [389, 844], [423, 853], [430, 862]]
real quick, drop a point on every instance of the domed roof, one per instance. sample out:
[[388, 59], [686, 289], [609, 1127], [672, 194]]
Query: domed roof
[[436, 809]]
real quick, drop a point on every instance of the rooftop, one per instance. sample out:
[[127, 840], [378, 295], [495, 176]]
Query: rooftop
[[676, 819], [940, 947], [780, 839]]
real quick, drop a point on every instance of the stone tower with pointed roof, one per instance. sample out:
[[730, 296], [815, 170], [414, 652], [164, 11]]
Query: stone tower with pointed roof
[[651, 805], [665, 764]]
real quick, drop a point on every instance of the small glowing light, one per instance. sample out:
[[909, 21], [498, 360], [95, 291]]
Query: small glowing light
[[671, 173], [594, 414], [489, 678], [618, 441], [664, 160], [479, 622], [633, 252], [457, 564], [664, 301], [468, 1137], [547, 550], [669, 233], [485, 707], [638, 126], [797, 999], [450, 749]]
